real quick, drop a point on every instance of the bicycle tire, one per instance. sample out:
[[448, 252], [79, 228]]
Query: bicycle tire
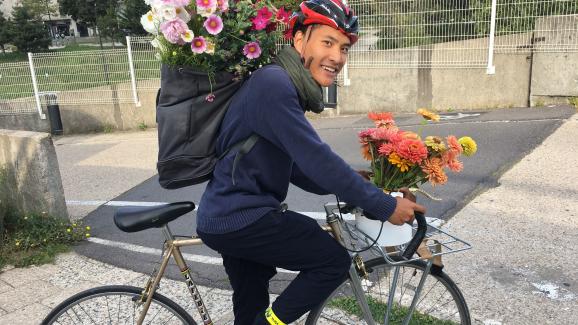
[[81, 315], [339, 308]]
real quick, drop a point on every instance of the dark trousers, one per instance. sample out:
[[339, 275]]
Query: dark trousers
[[280, 239]]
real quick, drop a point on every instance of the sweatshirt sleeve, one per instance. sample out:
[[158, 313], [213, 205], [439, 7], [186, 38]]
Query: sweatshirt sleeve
[[303, 182], [273, 111]]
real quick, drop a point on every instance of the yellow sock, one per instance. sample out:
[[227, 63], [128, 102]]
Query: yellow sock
[[272, 318]]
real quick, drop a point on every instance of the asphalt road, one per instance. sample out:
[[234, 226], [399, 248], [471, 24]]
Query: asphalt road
[[503, 137]]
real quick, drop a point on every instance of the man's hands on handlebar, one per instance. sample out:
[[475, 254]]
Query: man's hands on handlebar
[[405, 209]]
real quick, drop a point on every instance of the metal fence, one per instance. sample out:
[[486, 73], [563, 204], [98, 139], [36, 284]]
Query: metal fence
[[16, 91]]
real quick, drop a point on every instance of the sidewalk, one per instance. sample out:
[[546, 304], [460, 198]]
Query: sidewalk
[[522, 269]]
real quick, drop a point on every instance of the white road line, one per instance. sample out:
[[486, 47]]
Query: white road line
[[154, 251]]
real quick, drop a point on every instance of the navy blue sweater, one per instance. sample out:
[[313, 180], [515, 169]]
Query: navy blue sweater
[[288, 151]]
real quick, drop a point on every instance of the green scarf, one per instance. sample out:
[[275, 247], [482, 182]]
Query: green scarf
[[310, 93]]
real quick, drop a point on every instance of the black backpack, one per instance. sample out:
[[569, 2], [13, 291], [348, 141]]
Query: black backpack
[[188, 125]]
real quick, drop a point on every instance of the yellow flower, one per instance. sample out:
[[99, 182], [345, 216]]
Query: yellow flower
[[74, 225], [469, 145], [174, 53], [401, 163], [68, 230], [87, 235], [428, 115], [17, 243], [435, 143], [87, 227]]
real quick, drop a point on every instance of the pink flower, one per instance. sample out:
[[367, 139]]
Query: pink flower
[[198, 45], [223, 5], [206, 4], [262, 20], [259, 23], [283, 15], [210, 97], [265, 13], [412, 150], [365, 136], [176, 3], [173, 30], [252, 50], [386, 149], [213, 24]]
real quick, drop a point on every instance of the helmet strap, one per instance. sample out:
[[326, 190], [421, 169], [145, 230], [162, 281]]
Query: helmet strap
[[306, 38]]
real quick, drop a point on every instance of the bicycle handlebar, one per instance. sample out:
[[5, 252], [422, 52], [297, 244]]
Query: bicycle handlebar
[[414, 242]]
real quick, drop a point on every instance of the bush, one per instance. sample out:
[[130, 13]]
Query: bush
[[37, 238]]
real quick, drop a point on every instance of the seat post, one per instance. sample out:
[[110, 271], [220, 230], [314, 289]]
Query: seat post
[[167, 232]]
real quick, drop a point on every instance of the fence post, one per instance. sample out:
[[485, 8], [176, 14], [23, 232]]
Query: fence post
[[346, 80], [491, 69], [35, 86], [132, 74]]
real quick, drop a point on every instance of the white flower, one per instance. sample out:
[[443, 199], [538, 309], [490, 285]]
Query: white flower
[[210, 47], [183, 14], [206, 12], [166, 12], [150, 23], [188, 36]]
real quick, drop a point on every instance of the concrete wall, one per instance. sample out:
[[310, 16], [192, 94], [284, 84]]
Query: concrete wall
[[31, 180], [97, 117], [407, 89], [554, 75]]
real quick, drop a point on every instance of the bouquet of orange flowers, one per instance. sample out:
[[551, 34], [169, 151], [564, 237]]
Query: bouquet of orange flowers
[[403, 159]]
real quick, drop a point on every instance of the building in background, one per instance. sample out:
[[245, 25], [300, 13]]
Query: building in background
[[60, 26]]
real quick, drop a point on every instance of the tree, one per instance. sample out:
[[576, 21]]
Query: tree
[[86, 11], [5, 31], [40, 9], [28, 34], [130, 16]]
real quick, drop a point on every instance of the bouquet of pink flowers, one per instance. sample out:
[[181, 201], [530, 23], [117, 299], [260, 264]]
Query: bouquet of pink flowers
[[215, 35], [403, 159]]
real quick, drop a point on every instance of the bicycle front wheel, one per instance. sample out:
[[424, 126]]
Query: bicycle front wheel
[[440, 301], [116, 305]]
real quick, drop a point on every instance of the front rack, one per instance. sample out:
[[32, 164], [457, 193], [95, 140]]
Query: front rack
[[437, 242]]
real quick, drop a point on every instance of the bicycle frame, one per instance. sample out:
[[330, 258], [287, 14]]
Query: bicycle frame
[[172, 248]]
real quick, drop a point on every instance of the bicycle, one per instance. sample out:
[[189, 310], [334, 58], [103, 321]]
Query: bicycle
[[363, 297]]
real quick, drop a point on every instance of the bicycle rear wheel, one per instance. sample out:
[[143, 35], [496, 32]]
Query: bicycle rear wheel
[[116, 305], [440, 301]]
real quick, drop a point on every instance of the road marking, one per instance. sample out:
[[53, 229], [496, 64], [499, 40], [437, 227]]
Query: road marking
[[154, 251]]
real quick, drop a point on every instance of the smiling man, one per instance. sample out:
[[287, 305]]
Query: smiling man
[[241, 215]]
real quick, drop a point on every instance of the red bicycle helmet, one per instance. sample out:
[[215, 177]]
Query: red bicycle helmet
[[333, 13]]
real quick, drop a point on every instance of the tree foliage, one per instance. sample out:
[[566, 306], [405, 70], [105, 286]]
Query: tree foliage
[[5, 31], [132, 11], [28, 34], [40, 9]]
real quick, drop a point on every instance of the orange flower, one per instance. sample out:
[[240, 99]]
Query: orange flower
[[433, 169], [454, 144], [450, 159], [365, 152], [412, 150], [410, 135], [428, 115], [401, 163], [382, 119]]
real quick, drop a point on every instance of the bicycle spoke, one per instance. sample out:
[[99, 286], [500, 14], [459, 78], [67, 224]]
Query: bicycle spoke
[[173, 316], [87, 314], [108, 311]]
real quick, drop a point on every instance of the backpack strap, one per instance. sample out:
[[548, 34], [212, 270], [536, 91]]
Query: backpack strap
[[244, 147]]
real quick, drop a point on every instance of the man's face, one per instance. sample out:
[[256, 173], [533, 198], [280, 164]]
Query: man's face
[[325, 52]]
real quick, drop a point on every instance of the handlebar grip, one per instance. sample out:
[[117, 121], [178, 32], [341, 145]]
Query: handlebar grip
[[418, 238]]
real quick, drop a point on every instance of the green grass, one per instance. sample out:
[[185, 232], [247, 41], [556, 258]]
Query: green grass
[[37, 238], [378, 310]]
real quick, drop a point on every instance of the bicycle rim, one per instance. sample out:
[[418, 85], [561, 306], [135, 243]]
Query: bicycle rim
[[116, 305], [440, 301]]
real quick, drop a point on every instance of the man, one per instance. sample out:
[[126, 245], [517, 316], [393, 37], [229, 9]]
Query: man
[[240, 214]]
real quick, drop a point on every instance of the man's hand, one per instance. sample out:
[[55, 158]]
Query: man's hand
[[404, 211], [407, 194]]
